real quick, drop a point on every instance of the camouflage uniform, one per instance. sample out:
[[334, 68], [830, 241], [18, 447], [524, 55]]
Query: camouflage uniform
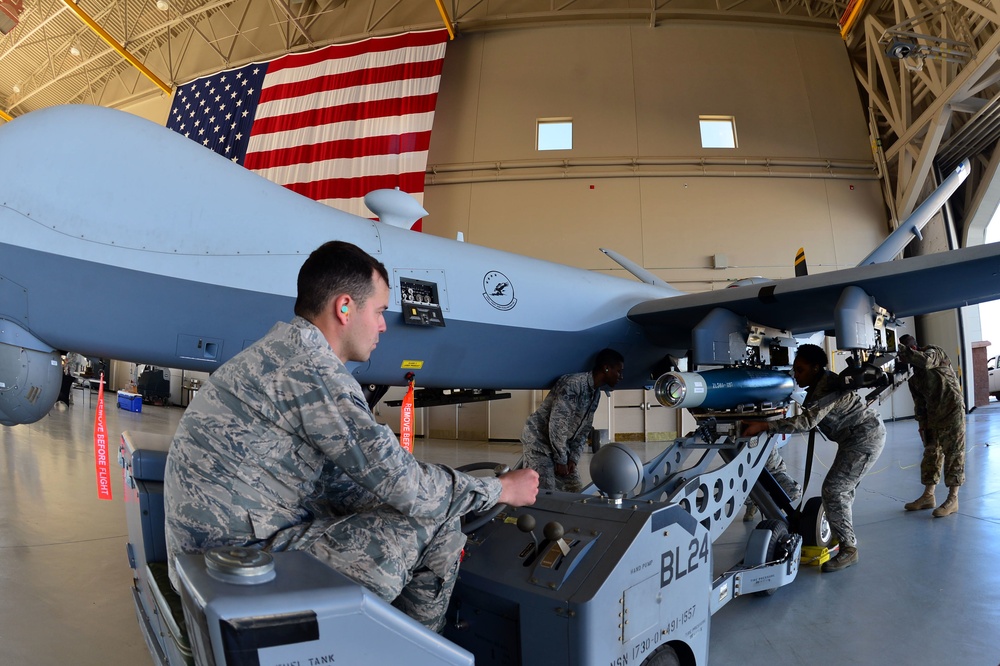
[[779, 470], [860, 437], [279, 451], [558, 430], [940, 410]]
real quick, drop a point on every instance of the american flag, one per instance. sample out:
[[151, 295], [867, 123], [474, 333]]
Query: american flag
[[332, 124]]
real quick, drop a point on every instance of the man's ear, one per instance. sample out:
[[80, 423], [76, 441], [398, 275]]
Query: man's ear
[[342, 306]]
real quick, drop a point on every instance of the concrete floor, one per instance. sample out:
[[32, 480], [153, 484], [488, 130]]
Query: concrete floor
[[924, 591]]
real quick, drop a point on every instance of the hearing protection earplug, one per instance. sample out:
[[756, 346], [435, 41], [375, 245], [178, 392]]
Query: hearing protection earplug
[[343, 308]]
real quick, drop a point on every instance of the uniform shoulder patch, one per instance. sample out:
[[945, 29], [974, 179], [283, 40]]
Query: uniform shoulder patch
[[360, 402]]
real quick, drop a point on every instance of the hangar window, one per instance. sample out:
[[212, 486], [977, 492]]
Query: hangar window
[[555, 133], [718, 131]]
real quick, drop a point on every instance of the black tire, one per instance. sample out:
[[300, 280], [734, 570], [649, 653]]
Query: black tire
[[663, 656], [777, 547], [813, 525]]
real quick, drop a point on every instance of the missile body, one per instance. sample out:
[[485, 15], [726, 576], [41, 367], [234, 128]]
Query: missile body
[[725, 388]]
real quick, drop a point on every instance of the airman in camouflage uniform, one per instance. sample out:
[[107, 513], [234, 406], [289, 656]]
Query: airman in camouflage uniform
[[779, 470], [843, 418], [279, 451], [555, 434], [940, 411]]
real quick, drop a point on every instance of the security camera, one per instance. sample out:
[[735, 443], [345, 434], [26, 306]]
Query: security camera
[[899, 49]]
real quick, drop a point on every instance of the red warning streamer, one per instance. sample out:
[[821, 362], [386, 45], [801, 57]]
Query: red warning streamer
[[101, 457], [406, 421]]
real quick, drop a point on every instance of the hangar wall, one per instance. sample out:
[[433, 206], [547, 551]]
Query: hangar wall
[[636, 93]]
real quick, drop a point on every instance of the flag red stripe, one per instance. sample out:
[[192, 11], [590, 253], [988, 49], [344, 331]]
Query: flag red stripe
[[393, 144], [359, 77], [382, 108], [349, 188], [376, 45]]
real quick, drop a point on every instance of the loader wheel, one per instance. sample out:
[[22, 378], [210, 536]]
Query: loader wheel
[[777, 547], [664, 656], [813, 525]]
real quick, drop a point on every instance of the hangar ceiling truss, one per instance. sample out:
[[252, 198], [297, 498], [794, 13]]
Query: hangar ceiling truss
[[929, 74], [927, 69]]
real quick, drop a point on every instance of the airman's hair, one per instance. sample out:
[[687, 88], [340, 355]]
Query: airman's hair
[[332, 269], [608, 357], [907, 340], [813, 355]]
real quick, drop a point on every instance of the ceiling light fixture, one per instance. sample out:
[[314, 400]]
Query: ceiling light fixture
[[74, 50], [16, 88], [162, 5]]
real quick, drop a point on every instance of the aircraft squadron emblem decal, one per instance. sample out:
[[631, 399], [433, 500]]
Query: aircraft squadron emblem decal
[[498, 291]]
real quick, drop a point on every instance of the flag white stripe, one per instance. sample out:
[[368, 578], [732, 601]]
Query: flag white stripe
[[354, 63], [356, 129], [349, 167], [323, 99]]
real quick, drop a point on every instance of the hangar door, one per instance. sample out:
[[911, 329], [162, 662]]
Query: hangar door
[[638, 417]]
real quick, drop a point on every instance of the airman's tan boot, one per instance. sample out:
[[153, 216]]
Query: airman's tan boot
[[950, 505], [925, 501], [848, 556]]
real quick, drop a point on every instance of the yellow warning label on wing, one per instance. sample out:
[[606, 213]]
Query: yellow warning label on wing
[[412, 365]]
